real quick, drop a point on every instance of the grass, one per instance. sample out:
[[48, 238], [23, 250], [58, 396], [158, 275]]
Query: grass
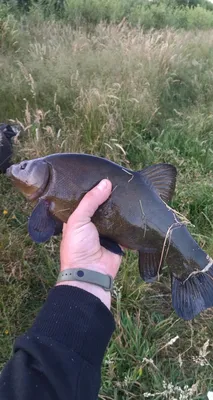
[[136, 98], [148, 14]]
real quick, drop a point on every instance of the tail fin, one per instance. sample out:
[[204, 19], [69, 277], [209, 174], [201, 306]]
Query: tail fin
[[193, 295]]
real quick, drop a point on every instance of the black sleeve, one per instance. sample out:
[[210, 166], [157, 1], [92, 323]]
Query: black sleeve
[[60, 356]]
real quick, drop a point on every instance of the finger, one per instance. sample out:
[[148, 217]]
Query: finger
[[90, 202], [64, 229]]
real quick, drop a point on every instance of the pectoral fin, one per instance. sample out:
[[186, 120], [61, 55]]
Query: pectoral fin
[[149, 264], [58, 227], [111, 246], [41, 224]]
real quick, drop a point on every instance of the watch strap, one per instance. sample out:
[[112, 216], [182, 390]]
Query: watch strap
[[88, 276]]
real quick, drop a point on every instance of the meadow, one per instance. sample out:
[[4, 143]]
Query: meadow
[[136, 97]]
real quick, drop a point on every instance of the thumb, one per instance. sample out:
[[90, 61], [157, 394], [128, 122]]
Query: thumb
[[90, 203]]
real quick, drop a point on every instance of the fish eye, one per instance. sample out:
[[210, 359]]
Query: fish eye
[[23, 166]]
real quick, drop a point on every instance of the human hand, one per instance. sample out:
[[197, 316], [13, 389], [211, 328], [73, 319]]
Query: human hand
[[80, 246]]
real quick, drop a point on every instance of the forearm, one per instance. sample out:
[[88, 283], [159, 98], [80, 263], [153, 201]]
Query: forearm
[[62, 352]]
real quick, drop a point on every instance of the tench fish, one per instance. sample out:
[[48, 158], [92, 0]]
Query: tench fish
[[136, 216], [6, 134]]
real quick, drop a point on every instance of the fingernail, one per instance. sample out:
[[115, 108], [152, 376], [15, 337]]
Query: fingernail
[[103, 184]]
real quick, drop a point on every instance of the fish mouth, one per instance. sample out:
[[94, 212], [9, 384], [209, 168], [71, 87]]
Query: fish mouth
[[8, 172]]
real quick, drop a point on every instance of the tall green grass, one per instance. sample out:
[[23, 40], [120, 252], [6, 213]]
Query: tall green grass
[[136, 98], [147, 14]]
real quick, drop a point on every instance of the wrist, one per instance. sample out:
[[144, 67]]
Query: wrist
[[97, 291], [103, 269], [95, 281]]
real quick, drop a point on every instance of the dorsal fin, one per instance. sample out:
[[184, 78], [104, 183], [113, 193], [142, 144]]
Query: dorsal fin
[[163, 178]]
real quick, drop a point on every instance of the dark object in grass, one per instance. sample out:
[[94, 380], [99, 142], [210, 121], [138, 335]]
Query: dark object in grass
[[136, 216], [6, 134]]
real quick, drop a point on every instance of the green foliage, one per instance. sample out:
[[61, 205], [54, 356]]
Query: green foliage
[[148, 14], [88, 11], [8, 33], [199, 18], [160, 15]]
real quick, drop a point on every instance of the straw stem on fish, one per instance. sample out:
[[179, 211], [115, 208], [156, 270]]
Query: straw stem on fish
[[168, 235], [144, 218], [129, 173]]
